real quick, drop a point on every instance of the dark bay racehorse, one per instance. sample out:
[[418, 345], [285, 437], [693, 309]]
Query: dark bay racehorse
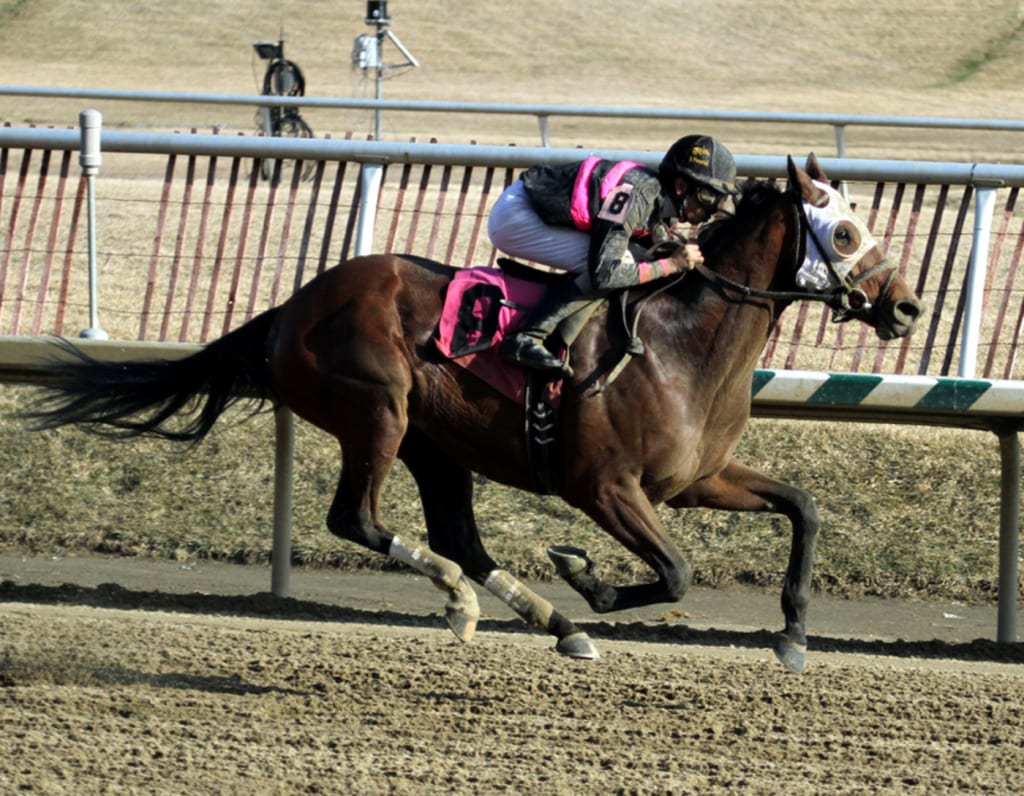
[[352, 352]]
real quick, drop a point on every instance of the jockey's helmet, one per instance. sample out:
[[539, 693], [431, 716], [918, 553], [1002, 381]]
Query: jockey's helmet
[[701, 159]]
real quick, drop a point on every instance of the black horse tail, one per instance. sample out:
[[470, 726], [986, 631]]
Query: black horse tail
[[144, 398]]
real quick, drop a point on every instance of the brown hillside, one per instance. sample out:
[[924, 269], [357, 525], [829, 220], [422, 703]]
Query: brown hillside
[[911, 58]]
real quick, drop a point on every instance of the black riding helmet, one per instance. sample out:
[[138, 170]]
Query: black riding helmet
[[701, 159]]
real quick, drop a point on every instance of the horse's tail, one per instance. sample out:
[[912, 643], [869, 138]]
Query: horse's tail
[[144, 398]]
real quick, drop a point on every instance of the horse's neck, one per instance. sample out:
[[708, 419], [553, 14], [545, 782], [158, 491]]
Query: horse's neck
[[718, 335], [729, 329]]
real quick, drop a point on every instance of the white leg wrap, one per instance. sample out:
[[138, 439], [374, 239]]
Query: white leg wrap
[[407, 555], [462, 610], [443, 572], [535, 610]]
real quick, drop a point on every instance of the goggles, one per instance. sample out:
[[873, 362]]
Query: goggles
[[707, 197]]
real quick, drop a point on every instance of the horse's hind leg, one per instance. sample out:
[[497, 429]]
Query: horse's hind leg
[[446, 492], [370, 442]]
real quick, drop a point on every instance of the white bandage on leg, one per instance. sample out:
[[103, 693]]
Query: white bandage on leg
[[535, 610], [444, 573], [407, 555], [462, 609]]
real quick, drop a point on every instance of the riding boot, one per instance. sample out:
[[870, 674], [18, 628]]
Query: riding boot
[[561, 306]]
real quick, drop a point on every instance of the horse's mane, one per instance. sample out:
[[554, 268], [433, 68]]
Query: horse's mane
[[755, 196]]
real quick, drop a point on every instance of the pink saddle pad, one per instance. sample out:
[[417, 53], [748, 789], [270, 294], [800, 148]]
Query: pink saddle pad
[[482, 306]]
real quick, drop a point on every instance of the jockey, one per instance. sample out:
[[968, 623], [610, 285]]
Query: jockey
[[582, 217]]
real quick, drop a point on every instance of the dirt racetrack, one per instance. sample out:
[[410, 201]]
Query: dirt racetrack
[[110, 689]]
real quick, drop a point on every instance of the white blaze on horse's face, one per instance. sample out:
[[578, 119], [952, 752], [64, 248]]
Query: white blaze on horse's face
[[843, 239]]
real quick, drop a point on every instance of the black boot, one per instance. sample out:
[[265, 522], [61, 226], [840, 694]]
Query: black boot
[[527, 347]]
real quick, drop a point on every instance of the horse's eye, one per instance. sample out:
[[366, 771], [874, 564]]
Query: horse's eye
[[846, 239]]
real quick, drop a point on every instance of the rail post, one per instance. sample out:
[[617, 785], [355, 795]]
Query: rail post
[[90, 123], [370, 177], [984, 205], [545, 132], [284, 465], [840, 132], [1009, 533]]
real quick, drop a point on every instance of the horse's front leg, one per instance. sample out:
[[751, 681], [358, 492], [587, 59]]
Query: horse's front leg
[[620, 507], [741, 488]]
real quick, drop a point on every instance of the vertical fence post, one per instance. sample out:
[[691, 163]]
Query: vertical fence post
[[984, 205], [90, 122], [1009, 534], [840, 131], [545, 133], [370, 177], [284, 459]]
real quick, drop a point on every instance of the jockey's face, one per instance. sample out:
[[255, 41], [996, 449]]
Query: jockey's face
[[696, 203]]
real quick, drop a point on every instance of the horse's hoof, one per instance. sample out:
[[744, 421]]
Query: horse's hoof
[[578, 645], [463, 626], [462, 609], [568, 561], [792, 655]]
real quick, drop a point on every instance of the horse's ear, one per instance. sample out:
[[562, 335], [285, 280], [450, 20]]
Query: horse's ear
[[800, 182], [814, 169], [796, 176]]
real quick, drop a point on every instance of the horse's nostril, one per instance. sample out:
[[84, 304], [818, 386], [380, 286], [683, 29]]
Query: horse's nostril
[[907, 310]]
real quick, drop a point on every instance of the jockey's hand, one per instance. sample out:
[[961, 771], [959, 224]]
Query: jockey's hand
[[667, 258], [688, 256]]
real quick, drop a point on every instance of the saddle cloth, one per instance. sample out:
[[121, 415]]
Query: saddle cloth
[[481, 306]]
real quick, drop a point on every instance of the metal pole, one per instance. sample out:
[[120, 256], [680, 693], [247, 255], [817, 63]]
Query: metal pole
[[545, 135], [90, 122], [380, 81], [370, 178], [840, 131], [1009, 535], [284, 457], [984, 204]]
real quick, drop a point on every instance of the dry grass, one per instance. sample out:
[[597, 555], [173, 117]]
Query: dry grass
[[906, 511]]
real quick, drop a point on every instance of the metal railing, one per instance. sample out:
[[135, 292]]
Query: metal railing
[[431, 199], [543, 113]]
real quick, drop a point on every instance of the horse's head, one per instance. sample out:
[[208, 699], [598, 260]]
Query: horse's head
[[844, 263]]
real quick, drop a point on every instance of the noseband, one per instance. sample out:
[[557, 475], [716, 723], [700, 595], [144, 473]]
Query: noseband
[[846, 299]]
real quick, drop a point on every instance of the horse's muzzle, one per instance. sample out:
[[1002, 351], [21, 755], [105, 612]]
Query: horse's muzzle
[[898, 319]]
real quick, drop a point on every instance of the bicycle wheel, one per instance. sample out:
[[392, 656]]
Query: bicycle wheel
[[284, 79], [289, 125]]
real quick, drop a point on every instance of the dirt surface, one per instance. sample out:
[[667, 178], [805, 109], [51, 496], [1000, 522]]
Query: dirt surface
[[196, 680]]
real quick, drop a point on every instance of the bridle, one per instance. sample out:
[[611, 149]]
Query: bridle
[[846, 298]]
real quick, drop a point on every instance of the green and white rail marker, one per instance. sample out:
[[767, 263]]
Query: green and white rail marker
[[972, 403]]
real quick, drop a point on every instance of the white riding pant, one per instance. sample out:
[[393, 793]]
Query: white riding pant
[[515, 229]]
